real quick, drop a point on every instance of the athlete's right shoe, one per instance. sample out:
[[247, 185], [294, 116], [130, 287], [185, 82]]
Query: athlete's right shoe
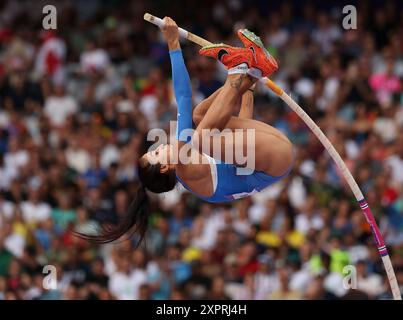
[[229, 56], [263, 60]]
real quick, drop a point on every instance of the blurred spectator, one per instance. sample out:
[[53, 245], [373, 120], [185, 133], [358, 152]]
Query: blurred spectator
[[371, 284], [386, 84], [33, 209], [50, 57], [94, 59], [125, 282], [59, 106]]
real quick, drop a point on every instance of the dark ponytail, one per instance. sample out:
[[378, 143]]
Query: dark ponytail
[[136, 219]]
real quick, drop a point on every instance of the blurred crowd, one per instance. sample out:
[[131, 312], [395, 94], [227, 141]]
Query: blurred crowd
[[76, 105]]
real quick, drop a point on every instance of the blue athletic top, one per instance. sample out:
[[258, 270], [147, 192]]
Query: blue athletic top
[[228, 184]]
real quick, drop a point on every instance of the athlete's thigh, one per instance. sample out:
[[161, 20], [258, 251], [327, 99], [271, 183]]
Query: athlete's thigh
[[273, 150], [250, 143], [240, 123]]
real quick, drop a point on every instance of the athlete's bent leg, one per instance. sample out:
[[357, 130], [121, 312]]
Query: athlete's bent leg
[[245, 110], [226, 102], [200, 110]]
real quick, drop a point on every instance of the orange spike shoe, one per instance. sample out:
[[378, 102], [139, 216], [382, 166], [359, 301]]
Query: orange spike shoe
[[230, 57], [263, 61]]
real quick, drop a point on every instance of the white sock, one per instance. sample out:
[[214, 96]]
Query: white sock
[[240, 68], [256, 73]]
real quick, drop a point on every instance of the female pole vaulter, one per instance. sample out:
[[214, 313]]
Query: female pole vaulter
[[211, 179]]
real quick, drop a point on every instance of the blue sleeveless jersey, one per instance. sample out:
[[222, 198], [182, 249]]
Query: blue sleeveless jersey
[[231, 185]]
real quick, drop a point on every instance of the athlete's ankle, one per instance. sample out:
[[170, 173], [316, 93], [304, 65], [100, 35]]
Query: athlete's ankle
[[239, 69], [248, 82], [235, 80]]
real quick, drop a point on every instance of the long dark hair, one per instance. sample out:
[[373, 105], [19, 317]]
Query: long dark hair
[[136, 219]]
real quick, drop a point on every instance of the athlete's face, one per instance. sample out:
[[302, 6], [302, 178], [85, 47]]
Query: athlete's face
[[163, 155]]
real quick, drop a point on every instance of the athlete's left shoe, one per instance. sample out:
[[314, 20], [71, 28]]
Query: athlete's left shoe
[[263, 60], [230, 57]]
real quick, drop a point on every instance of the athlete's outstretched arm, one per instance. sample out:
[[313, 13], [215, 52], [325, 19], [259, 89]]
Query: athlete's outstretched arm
[[181, 81], [183, 95]]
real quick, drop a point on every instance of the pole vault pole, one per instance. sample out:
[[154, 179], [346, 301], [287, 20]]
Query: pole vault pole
[[380, 243]]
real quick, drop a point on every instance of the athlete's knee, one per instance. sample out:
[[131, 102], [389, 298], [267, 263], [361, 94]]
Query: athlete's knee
[[197, 117]]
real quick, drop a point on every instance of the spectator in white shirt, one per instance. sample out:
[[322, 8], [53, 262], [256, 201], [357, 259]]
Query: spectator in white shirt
[[266, 281], [395, 162], [59, 106], [309, 218], [34, 210], [7, 174], [15, 158], [13, 242], [94, 59], [77, 157], [6, 209], [241, 223], [125, 282], [370, 283]]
